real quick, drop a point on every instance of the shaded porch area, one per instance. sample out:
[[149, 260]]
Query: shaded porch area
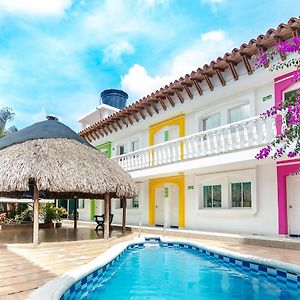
[[67, 233]]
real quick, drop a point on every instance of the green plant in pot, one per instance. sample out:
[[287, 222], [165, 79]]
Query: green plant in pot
[[60, 213], [48, 213]]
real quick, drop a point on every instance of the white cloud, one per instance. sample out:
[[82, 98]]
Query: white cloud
[[114, 51], [152, 3], [138, 83], [214, 4], [34, 7]]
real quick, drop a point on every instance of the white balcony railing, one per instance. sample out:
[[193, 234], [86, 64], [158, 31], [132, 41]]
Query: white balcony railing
[[232, 137]]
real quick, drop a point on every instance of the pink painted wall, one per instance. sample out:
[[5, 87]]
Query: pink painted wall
[[281, 84], [282, 172]]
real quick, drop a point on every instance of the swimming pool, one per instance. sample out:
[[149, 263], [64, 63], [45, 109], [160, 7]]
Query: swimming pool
[[166, 269]]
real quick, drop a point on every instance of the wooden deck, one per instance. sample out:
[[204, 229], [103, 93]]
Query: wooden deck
[[24, 268]]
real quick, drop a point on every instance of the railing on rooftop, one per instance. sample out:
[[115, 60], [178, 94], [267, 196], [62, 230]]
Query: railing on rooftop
[[237, 136]]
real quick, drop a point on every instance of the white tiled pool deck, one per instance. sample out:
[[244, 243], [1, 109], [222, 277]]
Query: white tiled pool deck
[[24, 268]]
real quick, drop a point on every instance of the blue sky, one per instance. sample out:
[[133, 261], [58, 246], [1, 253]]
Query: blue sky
[[56, 56]]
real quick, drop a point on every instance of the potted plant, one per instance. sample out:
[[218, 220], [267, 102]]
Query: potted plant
[[48, 213], [60, 213]]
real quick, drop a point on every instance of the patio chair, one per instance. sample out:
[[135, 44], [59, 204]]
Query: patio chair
[[99, 219]]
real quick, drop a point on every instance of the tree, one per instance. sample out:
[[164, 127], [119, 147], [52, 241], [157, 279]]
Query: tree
[[288, 140], [6, 115]]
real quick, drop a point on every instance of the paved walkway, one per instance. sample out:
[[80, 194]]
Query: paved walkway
[[24, 268]]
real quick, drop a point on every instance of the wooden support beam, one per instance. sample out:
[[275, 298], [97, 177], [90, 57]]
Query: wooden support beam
[[100, 132], [155, 107], [247, 64], [135, 117], [142, 113], [107, 200], [113, 126], [170, 100], [179, 96], [109, 129], [233, 71], [118, 123], [221, 78], [162, 103], [209, 83], [146, 106], [35, 215], [86, 136], [198, 87], [96, 134], [124, 215], [104, 130], [129, 119], [124, 122], [187, 89], [75, 212]]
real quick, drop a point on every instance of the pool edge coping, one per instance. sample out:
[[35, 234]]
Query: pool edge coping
[[54, 289]]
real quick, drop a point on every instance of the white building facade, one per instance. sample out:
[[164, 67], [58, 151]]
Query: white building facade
[[191, 146]]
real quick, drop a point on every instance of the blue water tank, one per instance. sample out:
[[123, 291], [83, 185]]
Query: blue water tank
[[115, 98]]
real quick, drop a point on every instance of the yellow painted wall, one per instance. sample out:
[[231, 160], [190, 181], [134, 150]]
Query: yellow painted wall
[[178, 120], [157, 182]]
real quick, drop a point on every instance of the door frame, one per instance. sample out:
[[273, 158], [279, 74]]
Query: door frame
[[284, 169], [157, 182]]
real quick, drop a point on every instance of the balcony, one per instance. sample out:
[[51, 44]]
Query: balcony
[[246, 134]]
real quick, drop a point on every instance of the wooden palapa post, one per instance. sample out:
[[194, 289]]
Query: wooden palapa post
[[124, 204], [107, 199], [75, 212], [35, 215]]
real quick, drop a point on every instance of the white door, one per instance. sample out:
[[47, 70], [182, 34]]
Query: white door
[[159, 206], [174, 211], [293, 202]]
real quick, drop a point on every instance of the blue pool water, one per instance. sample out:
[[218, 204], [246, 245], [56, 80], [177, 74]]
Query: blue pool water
[[172, 273]]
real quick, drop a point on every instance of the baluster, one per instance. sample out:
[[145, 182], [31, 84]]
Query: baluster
[[246, 135], [237, 137], [274, 129], [178, 151], [254, 132], [222, 140], [164, 154], [229, 137], [264, 131], [186, 148], [174, 151], [155, 156], [159, 155], [208, 144], [215, 142], [195, 149], [150, 158], [202, 145]]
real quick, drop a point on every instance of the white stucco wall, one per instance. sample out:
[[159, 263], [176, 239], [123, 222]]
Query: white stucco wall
[[261, 219]]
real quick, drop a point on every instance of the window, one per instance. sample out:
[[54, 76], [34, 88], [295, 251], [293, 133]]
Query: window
[[241, 194], [211, 122], [166, 136], [239, 113], [292, 96], [128, 147], [81, 203], [135, 202], [135, 145], [212, 196]]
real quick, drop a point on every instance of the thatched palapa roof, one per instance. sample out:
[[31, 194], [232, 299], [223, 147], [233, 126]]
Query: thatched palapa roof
[[60, 162]]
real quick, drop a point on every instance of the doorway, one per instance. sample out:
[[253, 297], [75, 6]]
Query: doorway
[[293, 197], [166, 206]]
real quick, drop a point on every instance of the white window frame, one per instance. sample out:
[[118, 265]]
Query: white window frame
[[225, 179], [230, 195], [236, 107]]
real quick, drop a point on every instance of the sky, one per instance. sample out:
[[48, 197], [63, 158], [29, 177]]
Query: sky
[[56, 56]]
